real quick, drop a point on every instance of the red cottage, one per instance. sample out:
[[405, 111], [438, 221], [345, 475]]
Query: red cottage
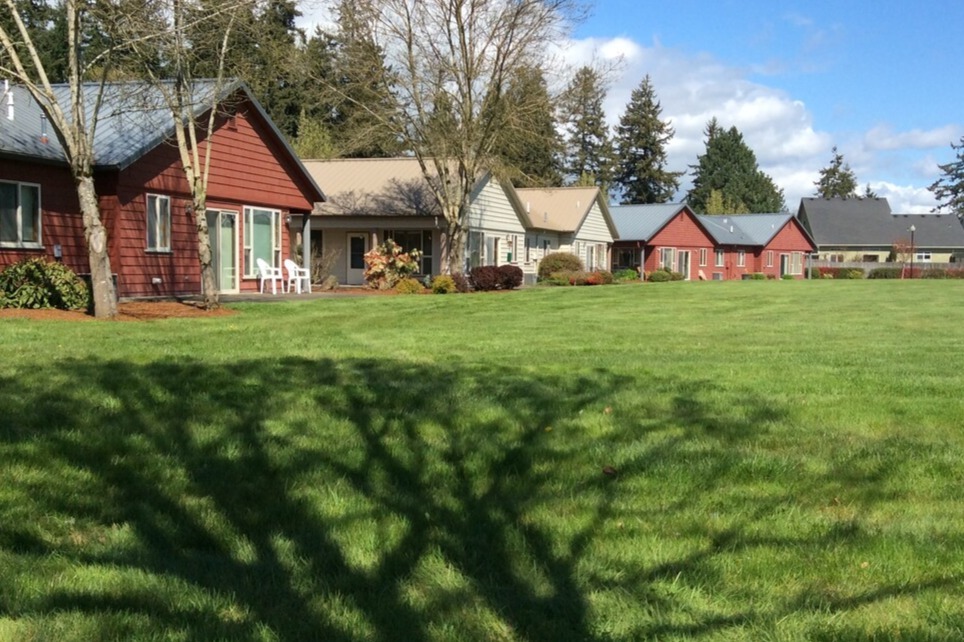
[[659, 236], [772, 244], [256, 186]]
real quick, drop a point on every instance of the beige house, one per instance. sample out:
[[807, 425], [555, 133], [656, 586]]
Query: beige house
[[567, 219], [372, 200]]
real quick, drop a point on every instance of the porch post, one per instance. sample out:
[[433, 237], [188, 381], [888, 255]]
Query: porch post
[[306, 241]]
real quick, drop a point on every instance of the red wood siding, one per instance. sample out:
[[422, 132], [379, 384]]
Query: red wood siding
[[683, 233], [60, 219], [788, 240]]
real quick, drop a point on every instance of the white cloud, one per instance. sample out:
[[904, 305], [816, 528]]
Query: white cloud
[[905, 199], [883, 137]]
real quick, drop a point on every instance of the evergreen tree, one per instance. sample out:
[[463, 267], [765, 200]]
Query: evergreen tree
[[730, 166], [641, 139], [949, 188], [837, 180], [720, 204], [589, 150], [868, 193], [528, 147]]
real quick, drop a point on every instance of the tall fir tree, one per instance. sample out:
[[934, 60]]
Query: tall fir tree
[[837, 180], [588, 147], [729, 166], [529, 147], [949, 188], [640, 142]]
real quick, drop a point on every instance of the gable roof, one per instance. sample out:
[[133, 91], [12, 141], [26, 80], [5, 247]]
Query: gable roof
[[563, 209], [642, 222], [869, 222], [373, 187], [133, 119], [754, 230]]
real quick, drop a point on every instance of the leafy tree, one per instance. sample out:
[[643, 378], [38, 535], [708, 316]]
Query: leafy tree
[[949, 188], [718, 203], [588, 149], [641, 139], [529, 145], [837, 180], [314, 139], [730, 166]]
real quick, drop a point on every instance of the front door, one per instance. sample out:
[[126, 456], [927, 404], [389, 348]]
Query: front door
[[683, 263], [784, 264], [223, 233], [357, 247]]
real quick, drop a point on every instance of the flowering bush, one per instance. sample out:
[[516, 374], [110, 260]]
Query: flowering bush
[[388, 264]]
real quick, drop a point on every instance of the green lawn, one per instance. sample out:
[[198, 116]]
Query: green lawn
[[789, 463]]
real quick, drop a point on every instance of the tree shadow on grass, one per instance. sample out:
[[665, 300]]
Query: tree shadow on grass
[[339, 500]]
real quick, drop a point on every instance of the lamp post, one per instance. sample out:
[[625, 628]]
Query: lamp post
[[912, 229]]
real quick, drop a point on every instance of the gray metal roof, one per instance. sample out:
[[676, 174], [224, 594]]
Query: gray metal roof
[[869, 223], [133, 119], [725, 230], [641, 222]]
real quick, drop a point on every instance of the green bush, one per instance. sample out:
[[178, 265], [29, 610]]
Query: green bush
[[934, 273], [841, 273], [886, 273], [662, 275], [557, 278], [559, 262], [444, 284], [38, 283], [408, 285], [625, 275], [787, 277], [758, 276]]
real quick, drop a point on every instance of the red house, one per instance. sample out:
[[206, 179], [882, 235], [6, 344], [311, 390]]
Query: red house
[[257, 185], [703, 247]]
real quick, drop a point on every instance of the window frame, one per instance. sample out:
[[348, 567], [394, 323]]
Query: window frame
[[664, 263], [704, 256], [19, 187], [769, 258], [741, 258], [796, 263], [719, 258], [424, 245], [162, 225], [247, 239]]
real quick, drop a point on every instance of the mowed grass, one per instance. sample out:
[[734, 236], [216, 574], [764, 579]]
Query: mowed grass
[[788, 464]]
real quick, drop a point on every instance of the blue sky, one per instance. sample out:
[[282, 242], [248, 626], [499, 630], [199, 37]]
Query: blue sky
[[878, 80]]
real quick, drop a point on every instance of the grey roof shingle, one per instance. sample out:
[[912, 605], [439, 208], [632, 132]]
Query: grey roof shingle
[[869, 223], [641, 222]]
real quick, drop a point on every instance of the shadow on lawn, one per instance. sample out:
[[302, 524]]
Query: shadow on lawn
[[247, 481]]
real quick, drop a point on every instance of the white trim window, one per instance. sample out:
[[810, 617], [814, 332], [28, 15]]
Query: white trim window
[[262, 239], [769, 258], [796, 263], [667, 258], [741, 258], [19, 215], [719, 256], [158, 223], [513, 248], [601, 256], [704, 253], [923, 256]]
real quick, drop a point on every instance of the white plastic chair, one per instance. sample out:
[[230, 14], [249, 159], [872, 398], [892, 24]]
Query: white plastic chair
[[266, 272], [297, 276]]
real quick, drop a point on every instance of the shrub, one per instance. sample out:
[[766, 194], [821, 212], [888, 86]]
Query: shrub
[[934, 273], [444, 284], [558, 278], [485, 277], [758, 276], [462, 283], [605, 277], [885, 273], [841, 273], [408, 285], [787, 277], [662, 275], [559, 262], [625, 275], [510, 277], [38, 283], [388, 264], [955, 273], [812, 273]]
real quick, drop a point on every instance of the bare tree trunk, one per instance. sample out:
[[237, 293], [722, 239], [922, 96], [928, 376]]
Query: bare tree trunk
[[455, 240], [211, 299], [101, 278]]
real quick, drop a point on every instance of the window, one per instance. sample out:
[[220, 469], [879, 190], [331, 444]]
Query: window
[[492, 250], [420, 240], [528, 250], [741, 258], [769, 258], [262, 238], [703, 255], [796, 263], [626, 258], [667, 258], [923, 256], [719, 258], [473, 254], [158, 223], [513, 248], [591, 257], [601, 255], [19, 215]]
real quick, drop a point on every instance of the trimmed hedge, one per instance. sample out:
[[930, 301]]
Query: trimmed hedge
[[559, 262], [885, 273], [662, 275]]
